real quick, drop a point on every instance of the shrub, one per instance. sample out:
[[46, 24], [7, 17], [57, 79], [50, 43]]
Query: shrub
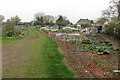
[[11, 34], [112, 28]]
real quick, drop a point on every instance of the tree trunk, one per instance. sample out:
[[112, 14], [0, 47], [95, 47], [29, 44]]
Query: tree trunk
[[119, 9]]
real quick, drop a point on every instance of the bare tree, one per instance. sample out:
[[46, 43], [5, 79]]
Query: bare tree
[[48, 18], [113, 10], [39, 19], [118, 6], [39, 16], [101, 20]]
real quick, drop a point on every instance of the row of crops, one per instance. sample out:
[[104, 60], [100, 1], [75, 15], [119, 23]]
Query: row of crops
[[89, 54], [92, 46]]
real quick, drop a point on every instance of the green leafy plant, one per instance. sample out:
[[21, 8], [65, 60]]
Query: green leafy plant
[[72, 42], [11, 34], [87, 41], [89, 45], [101, 41], [102, 50], [116, 49]]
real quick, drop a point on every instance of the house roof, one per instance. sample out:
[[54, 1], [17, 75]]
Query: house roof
[[84, 21]]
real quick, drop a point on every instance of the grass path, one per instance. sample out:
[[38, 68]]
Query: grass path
[[35, 56]]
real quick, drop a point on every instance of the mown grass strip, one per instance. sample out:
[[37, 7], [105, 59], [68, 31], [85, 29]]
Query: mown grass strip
[[54, 60]]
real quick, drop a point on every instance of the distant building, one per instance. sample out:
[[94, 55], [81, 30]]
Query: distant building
[[69, 28], [84, 21], [20, 26], [96, 24]]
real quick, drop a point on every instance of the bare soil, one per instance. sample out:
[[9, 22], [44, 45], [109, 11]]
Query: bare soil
[[86, 64]]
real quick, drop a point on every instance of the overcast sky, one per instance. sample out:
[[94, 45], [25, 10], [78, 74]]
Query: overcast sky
[[73, 9]]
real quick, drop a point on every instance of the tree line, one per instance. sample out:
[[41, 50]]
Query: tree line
[[43, 19], [40, 19]]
